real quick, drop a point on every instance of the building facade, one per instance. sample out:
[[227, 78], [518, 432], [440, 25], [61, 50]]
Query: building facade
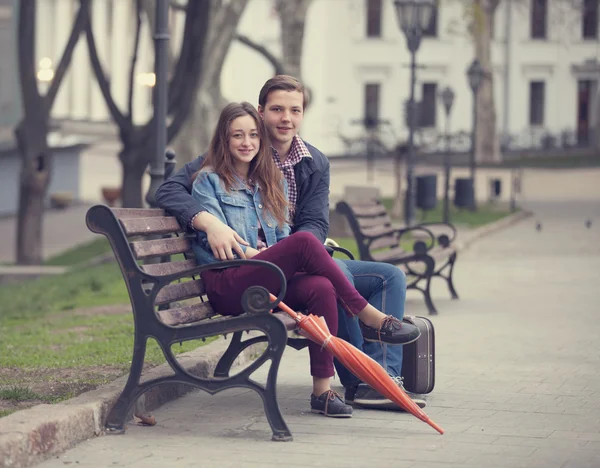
[[545, 55]]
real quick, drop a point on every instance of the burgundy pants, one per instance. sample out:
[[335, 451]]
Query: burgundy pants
[[314, 283]]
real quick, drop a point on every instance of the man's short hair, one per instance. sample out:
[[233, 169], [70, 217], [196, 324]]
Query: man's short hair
[[281, 83]]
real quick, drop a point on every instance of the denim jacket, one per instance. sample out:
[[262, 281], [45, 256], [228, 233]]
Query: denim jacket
[[241, 209]]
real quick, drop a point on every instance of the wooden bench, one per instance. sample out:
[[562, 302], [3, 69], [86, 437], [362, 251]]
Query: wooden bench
[[156, 291], [379, 241]]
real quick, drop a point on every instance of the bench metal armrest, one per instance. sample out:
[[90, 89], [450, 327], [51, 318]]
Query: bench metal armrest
[[419, 246], [443, 239], [162, 281], [333, 245]]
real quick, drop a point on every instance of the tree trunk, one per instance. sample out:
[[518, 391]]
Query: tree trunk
[[134, 166], [36, 161], [197, 131], [292, 15], [487, 146]]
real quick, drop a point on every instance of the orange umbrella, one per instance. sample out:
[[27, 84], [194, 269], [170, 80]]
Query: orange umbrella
[[357, 362]]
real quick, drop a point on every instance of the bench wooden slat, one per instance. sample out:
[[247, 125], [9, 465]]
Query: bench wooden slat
[[377, 221], [187, 314], [159, 247], [138, 212], [152, 225], [397, 253], [383, 242], [378, 231], [180, 291], [170, 268], [371, 209]]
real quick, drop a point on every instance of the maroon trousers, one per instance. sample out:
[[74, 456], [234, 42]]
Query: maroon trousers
[[314, 283]]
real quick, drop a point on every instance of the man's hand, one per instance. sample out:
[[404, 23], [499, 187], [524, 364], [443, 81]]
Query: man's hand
[[250, 252], [223, 240]]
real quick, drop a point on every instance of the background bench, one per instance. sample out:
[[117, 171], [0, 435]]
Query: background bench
[[379, 241], [168, 302]]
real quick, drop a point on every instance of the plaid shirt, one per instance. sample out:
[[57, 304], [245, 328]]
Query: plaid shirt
[[298, 150]]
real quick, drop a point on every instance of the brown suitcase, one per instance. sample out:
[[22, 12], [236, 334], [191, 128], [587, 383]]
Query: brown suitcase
[[418, 361]]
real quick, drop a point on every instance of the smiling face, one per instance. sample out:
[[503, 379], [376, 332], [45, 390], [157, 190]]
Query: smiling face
[[244, 142], [283, 113]]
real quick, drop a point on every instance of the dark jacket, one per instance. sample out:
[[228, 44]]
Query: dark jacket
[[312, 204]]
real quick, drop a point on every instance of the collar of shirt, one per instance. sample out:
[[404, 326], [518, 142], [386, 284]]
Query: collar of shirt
[[298, 150]]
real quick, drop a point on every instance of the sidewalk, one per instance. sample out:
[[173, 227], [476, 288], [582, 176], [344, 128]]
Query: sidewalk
[[517, 381], [63, 229]]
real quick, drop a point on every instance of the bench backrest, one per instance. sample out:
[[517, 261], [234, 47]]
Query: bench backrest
[[149, 235], [371, 225]]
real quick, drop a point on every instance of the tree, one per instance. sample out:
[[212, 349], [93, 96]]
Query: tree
[[195, 137], [208, 100], [32, 131], [139, 140]]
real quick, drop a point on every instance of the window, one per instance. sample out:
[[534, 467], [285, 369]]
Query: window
[[589, 19], [539, 17], [431, 31], [372, 104], [374, 18], [537, 93], [428, 106]]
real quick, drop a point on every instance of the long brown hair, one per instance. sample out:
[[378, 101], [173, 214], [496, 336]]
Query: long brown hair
[[263, 170]]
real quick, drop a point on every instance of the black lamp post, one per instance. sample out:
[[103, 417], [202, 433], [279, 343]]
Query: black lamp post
[[447, 97], [475, 74], [161, 57], [414, 16]]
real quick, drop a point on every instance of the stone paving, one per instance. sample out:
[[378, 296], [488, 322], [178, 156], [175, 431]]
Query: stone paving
[[517, 376]]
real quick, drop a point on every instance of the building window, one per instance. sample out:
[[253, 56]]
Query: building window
[[372, 91], [374, 18], [537, 91], [589, 19], [428, 105], [432, 30], [539, 18]]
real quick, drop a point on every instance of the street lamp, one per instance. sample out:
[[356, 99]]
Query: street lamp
[[475, 74], [447, 97], [414, 16], [159, 82]]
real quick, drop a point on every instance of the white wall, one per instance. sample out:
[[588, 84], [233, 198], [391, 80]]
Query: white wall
[[339, 59]]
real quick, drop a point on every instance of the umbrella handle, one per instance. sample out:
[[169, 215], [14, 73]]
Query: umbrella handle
[[296, 316]]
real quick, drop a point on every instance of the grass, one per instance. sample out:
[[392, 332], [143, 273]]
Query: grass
[[54, 346], [486, 213], [80, 254]]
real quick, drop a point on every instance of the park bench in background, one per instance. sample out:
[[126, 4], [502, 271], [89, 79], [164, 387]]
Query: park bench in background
[[379, 241], [156, 291]]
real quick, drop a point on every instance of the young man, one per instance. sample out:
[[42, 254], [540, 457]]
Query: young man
[[281, 101]]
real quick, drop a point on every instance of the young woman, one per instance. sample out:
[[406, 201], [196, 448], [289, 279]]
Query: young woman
[[240, 184]]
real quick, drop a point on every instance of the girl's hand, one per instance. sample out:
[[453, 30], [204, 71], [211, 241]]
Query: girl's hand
[[250, 252]]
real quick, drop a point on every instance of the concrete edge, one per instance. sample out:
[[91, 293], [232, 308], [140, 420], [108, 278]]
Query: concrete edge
[[35, 434], [490, 228]]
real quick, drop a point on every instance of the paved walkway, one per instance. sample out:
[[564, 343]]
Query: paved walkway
[[517, 377]]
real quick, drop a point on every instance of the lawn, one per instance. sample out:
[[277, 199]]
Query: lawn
[[62, 335]]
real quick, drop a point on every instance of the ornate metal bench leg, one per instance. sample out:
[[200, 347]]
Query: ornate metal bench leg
[[450, 278], [232, 352], [427, 290], [117, 417], [277, 343]]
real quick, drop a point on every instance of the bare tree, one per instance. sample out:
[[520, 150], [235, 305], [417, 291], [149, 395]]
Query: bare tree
[[139, 140], [292, 17], [208, 100], [32, 131]]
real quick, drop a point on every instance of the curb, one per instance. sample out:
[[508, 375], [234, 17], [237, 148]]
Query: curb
[[35, 434], [490, 228]]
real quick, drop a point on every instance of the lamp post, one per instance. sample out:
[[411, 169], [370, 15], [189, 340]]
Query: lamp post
[[414, 16], [447, 97], [475, 74], [161, 50]]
